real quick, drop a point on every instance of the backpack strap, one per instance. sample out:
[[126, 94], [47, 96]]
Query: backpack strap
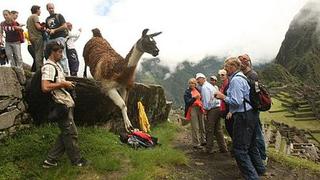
[[56, 71], [244, 99]]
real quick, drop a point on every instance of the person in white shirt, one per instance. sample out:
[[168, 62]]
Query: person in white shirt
[[211, 107], [72, 55]]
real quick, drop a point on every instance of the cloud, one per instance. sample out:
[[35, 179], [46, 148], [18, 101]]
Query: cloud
[[192, 29], [104, 7]]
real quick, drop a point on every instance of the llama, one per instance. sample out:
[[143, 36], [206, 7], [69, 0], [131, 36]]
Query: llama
[[116, 73]]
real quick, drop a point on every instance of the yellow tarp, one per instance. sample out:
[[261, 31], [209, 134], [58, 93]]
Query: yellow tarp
[[143, 119]]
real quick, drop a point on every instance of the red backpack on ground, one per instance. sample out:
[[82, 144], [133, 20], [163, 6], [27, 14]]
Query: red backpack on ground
[[139, 139]]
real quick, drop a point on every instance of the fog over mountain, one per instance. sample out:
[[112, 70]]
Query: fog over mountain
[[192, 29], [300, 50]]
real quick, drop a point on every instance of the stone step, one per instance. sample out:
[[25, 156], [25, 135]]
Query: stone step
[[285, 100], [305, 109], [276, 96], [303, 102], [315, 131], [278, 110], [317, 103], [302, 115], [286, 105], [289, 115], [285, 94], [306, 119], [304, 105]]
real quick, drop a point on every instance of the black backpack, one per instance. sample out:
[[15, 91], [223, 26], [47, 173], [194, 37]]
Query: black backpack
[[39, 103], [260, 99]]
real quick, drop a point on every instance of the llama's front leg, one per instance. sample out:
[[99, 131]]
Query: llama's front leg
[[123, 93], [117, 99]]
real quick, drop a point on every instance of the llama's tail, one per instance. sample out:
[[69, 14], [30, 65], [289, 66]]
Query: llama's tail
[[85, 71]]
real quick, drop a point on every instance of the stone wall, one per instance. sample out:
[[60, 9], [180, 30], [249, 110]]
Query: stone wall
[[92, 106], [292, 141], [12, 105]]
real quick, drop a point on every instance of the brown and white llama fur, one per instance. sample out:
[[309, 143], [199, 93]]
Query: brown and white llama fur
[[116, 73]]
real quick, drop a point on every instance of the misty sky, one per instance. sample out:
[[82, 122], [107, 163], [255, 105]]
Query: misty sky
[[192, 29]]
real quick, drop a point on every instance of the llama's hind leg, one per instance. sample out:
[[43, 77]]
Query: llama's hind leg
[[117, 99]]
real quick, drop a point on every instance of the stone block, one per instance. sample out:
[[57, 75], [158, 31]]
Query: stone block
[[4, 103], [21, 106], [10, 86], [7, 119], [278, 141], [20, 75]]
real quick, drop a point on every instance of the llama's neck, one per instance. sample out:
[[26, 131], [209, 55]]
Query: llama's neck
[[134, 56]]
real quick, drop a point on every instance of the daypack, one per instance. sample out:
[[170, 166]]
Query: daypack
[[39, 102], [139, 139], [260, 99]]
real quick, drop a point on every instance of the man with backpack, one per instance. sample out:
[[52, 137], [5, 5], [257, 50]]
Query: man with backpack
[[53, 82], [246, 68], [57, 30], [246, 121]]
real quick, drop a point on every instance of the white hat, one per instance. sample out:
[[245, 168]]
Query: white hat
[[214, 77], [200, 75]]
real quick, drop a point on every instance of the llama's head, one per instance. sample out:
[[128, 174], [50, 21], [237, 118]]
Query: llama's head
[[96, 32], [147, 44]]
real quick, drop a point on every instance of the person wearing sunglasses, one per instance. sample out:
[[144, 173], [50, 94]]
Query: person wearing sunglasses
[[224, 108]]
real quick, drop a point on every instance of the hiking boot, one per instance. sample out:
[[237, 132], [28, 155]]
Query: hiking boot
[[49, 163], [82, 162], [198, 147], [223, 151], [266, 174], [203, 144], [265, 162]]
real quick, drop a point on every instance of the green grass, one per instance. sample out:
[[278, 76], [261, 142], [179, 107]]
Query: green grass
[[21, 156], [279, 117], [293, 162], [290, 161]]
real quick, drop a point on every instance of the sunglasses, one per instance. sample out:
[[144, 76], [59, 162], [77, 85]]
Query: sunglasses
[[221, 74]]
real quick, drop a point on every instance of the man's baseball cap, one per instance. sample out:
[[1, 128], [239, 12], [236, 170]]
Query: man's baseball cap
[[214, 77], [200, 75]]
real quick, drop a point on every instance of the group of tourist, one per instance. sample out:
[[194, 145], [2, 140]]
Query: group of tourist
[[206, 105], [50, 40], [38, 35]]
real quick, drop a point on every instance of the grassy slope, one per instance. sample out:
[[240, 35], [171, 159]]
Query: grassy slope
[[22, 155], [279, 117], [290, 161]]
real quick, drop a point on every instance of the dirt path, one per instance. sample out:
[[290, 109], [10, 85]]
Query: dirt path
[[222, 166]]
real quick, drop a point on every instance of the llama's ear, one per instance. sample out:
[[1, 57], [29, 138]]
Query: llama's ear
[[155, 34], [144, 32]]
